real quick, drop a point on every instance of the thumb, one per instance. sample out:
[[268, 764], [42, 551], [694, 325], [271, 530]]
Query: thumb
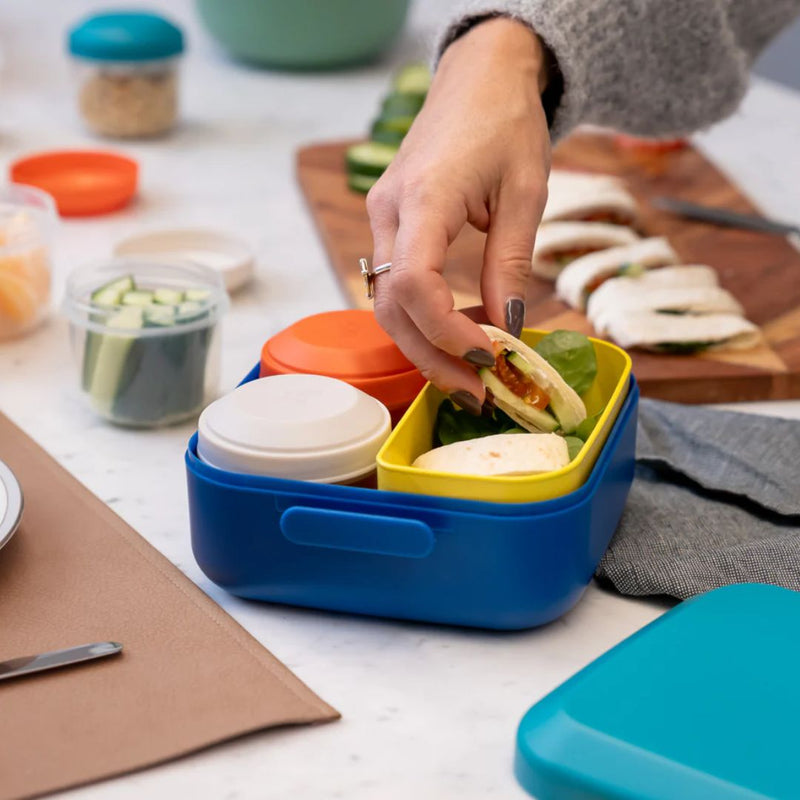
[[508, 250]]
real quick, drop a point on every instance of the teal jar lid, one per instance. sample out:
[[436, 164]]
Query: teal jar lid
[[125, 36]]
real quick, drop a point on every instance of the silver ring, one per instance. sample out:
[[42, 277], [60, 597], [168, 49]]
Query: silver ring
[[369, 276]]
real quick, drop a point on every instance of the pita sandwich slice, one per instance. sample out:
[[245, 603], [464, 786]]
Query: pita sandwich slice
[[591, 198], [501, 454], [527, 388], [583, 276], [682, 333], [559, 243], [691, 300]]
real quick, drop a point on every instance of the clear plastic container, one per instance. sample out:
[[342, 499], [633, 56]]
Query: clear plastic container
[[146, 338], [27, 224], [127, 73]]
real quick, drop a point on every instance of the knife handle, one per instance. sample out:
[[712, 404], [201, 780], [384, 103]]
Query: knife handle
[[25, 665]]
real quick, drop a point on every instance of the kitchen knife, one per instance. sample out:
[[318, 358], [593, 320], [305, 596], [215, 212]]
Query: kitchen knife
[[25, 665], [721, 216]]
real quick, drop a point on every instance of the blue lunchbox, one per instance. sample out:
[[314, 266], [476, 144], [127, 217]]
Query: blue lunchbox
[[409, 556]]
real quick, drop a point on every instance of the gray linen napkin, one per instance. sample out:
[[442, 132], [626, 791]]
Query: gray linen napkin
[[715, 500]]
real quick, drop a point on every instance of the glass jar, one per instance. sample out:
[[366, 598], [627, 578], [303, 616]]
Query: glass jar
[[27, 223], [146, 338], [127, 73]]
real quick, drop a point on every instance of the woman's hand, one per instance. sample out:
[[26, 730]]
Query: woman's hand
[[477, 153]]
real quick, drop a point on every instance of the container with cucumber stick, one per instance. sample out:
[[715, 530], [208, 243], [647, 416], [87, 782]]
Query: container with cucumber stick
[[365, 162], [145, 338]]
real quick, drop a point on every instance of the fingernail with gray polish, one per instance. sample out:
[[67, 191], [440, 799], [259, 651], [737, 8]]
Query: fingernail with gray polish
[[479, 357], [515, 316], [467, 401]]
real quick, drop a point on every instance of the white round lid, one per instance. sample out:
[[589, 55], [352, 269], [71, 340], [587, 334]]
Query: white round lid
[[230, 256], [303, 427], [10, 504]]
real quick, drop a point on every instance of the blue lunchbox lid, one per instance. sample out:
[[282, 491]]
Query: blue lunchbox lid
[[125, 36], [702, 703]]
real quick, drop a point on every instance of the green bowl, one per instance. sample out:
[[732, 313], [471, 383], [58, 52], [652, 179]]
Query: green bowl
[[304, 34]]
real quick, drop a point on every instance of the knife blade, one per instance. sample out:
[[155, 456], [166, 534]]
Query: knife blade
[[25, 665], [724, 217]]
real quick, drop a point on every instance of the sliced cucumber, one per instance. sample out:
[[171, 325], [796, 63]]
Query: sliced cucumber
[[528, 416], [158, 316], [369, 158], [396, 125], [106, 298], [138, 297], [197, 295], [386, 136], [402, 104], [412, 79], [168, 297], [188, 311], [360, 183], [109, 294]]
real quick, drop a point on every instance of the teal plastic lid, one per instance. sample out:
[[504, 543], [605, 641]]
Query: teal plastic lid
[[125, 36], [702, 704]]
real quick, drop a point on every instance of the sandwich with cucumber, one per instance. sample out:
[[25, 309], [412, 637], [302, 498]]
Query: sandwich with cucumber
[[528, 388], [535, 421]]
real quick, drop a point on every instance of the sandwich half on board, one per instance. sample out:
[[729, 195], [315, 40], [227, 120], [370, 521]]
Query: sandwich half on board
[[559, 243], [583, 276]]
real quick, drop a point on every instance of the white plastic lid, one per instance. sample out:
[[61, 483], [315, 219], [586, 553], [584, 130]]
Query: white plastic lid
[[303, 427], [230, 256]]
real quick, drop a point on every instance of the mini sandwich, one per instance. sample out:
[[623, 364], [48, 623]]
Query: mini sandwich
[[528, 389], [501, 454], [691, 300], [559, 243], [583, 276], [689, 275], [587, 197], [671, 333]]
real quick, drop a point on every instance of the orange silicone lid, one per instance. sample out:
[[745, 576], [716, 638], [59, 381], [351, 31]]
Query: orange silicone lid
[[82, 182], [349, 345]]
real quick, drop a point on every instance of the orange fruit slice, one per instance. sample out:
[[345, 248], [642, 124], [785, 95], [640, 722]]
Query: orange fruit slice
[[30, 266], [19, 302]]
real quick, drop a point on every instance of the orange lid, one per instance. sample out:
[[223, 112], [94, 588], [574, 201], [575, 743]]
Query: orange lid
[[82, 182], [349, 345]]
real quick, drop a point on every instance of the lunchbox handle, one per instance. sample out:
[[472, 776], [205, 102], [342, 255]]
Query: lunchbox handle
[[363, 533]]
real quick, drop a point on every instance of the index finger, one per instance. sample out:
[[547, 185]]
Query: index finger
[[417, 283]]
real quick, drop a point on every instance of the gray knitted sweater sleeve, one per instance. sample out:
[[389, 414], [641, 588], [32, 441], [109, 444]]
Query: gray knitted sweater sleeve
[[649, 67]]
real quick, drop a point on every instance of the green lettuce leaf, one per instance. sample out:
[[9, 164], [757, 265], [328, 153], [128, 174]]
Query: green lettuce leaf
[[453, 424], [574, 445], [572, 355]]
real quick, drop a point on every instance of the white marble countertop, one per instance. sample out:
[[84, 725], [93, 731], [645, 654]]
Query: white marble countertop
[[426, 711]]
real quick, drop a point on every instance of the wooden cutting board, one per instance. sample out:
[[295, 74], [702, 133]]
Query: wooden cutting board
[[762, 271]]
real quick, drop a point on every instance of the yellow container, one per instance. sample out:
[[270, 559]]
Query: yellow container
[[413, 436]]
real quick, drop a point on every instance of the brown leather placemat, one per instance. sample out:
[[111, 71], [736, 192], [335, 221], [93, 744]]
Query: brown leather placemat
[[189, 676]]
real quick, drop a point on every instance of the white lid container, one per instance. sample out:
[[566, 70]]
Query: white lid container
[[230, 256], [301, 427]]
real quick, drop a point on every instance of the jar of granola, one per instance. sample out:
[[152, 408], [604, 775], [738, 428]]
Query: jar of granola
[[127, 73]]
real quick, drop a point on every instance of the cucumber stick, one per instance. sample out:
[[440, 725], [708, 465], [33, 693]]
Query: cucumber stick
[[112, 359], [143, 369]]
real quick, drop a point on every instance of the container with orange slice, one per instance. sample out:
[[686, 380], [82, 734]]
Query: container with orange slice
[[26, 225]]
